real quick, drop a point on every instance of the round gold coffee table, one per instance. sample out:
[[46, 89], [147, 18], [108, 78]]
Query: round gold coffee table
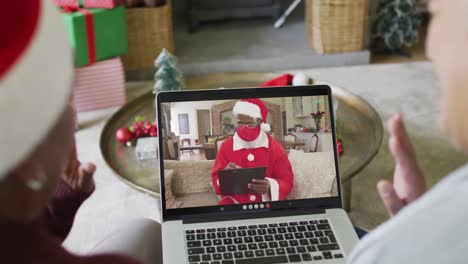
[[358, 123]]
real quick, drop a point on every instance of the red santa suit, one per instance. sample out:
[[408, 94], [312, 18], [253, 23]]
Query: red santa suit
[[262, 151]]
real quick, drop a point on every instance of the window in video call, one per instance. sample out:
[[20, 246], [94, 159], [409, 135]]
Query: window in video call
[[231, 152]]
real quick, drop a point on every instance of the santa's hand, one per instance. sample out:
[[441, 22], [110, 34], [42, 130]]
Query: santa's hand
[[259, 186], [232, 165]]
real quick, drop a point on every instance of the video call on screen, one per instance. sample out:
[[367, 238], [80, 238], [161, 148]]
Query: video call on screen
[[214, 157]]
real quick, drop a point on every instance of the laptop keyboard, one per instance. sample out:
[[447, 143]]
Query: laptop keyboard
[[267, 243]]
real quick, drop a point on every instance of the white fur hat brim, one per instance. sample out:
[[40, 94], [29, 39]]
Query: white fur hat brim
[[246, 108], [34, 92]]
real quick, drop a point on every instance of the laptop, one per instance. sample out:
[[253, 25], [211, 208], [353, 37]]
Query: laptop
[[304, 225]]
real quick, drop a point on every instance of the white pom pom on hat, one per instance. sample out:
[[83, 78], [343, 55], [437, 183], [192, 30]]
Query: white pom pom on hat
[[300, 79], [36, 74], [255, 108]]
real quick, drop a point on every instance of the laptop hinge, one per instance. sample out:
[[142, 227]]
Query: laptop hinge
[[194, 219]]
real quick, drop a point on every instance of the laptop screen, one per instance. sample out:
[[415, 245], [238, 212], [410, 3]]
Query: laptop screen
[[247, 153]]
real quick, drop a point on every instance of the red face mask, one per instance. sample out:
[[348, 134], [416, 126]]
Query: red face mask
[[248, 133]]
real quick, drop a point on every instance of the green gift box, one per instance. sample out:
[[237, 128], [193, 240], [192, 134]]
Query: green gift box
[[96, 34]]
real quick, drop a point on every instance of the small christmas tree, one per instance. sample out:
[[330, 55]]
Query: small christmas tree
[[168, 77], [396, 24]]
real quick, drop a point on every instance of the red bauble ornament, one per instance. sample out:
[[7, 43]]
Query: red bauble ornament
[[139, 128], [339, 146], [123, 135]]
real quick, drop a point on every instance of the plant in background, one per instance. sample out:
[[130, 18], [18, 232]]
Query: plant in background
[[396, 24], [168, 77], [317, 116]]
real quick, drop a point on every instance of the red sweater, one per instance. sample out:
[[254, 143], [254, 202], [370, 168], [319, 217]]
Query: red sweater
[[40, 242]]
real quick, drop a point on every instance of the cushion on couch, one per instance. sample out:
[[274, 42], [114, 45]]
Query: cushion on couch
[[171, 202], [190, 176], [314, 174], [199, 199]]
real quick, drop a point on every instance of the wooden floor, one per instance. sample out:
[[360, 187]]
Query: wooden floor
[[417, 52]]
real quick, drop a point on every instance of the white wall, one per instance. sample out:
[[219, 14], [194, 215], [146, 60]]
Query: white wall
[[292, 120], [189, 108], [326, 142]]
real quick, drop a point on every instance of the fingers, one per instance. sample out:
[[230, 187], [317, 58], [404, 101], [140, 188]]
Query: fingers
[[259, 186], [395, 124], [232, 165], [408, 178], [400, 145], [72, 163], [399, 141], [260, 189], [88, 169], [260, 181], [85, 179], [389, 197]]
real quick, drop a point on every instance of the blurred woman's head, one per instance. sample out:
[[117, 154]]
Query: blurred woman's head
[[26, 189], [36, 73], [447, 47]]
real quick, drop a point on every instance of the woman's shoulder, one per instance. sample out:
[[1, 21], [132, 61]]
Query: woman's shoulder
[[426, 225]]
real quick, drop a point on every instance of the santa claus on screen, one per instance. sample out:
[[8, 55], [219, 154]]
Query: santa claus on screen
[[252, 147]]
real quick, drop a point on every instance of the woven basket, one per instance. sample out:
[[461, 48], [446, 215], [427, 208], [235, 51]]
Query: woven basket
[[336, 25], [149, 31]]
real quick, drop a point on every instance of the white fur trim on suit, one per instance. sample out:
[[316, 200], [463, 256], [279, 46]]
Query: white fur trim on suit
[[232, 198], [220, 197], [260, 142], [266, 197], [265, 127], [274, 191], [246, 108]]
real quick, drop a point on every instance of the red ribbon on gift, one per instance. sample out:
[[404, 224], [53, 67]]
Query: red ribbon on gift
[[90, 3], [91, 40], [70, 3]]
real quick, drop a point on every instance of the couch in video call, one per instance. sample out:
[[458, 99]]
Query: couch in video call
[[190, 181]]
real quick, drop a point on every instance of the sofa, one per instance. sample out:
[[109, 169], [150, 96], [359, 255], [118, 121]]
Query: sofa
[[190, 181]]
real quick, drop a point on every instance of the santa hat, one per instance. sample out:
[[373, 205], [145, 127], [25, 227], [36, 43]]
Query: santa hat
[[255, 108], [288, 79], [283, 80], [36, 72]]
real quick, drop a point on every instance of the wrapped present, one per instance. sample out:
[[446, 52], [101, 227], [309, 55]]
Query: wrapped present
[[89, 3], [96, 34], [99, 86]]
